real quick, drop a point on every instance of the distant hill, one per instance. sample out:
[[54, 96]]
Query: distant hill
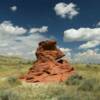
[[8, 60]]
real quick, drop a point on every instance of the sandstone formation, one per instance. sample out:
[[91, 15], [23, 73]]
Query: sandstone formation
[[49, 66]]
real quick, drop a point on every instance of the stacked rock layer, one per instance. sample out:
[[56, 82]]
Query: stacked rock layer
[[49, 66]]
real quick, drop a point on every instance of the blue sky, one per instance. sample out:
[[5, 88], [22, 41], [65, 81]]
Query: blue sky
[[75, 24]]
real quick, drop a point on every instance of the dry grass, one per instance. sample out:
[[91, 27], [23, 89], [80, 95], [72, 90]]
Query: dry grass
[[88, 88]]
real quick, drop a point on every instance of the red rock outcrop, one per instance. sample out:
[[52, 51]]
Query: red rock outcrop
[[49, 67]]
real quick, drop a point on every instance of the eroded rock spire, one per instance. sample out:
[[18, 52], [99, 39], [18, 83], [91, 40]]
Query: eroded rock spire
[[49, 66]]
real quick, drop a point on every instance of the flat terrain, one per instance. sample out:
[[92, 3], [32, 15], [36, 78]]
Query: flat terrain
[[84, 85]]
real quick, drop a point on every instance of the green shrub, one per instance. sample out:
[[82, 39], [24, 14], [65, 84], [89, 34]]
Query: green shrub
[[97, 87], [87, 85], [88, 66], [74, 80], [8, 95], [4, 95], [13, 80], [64, 97]]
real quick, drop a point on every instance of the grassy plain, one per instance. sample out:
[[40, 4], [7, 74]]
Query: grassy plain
[[84, 85]]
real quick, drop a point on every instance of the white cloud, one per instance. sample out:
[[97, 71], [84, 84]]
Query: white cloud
[[89, 56], [3, 44], [90, 35], [39, 30], [98, 24], [67, 52], [13, 8], [65, 49], [66, 10], [82, 34], [6, 27], [90, 44], [24, 44]]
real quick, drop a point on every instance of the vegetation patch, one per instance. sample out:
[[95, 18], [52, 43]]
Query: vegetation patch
[[87, 85], [74, 80], [13, 80]]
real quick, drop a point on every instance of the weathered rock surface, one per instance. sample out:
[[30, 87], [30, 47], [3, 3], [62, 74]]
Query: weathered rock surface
[[49, 66]]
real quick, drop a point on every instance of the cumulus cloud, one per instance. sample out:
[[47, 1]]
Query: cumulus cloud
[[90, 44], [13, 8], [90, 35], [66, 10], [11, 43], [65, 49], [82, 34], [39, 30], [89, 56], [67, 52], [6, 27], [98, 24]]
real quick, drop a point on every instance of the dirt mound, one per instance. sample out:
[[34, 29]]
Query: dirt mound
[[49, 67]]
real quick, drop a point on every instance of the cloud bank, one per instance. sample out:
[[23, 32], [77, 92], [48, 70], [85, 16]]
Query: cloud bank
[[88, 56], [13, 40], [89, 35]]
